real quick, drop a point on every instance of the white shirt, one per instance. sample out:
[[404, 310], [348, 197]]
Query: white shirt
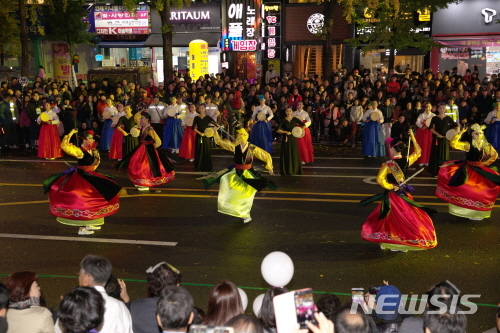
[[112, 110], [156, 112], [189, 115], [368, 112], [266, 109], [423, 117], [356, 114], [117, 317], [303, 115], [52, 117], [176, 107], [490, 116], [211, 110]]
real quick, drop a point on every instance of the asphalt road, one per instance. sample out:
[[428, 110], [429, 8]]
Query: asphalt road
[[314, 218]]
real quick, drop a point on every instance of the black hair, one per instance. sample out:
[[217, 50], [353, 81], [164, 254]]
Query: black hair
[[442, 292], [4, 296], [81, 310], [146, 115], [245, 324], [445, 322], [162, 277], [266, 314], [99, 268], [113, 288], [174, 308], [329, 304], [345, 322]]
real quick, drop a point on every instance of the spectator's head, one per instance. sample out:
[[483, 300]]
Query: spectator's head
[[94, 271], [81, 310], [388, 297], [113, 287], [328, 304], [22, 286], [174, 310], [245, 324], [445, 323], [223, 304], [4, 299], [266, 313], [442, 292], [347, 322], [161, 276]]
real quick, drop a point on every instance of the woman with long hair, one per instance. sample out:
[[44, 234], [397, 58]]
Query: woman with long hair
[[224, 303], [25, 313]]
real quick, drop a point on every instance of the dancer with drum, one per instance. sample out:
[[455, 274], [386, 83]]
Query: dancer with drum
[[440, 148], [398, 223], [189, 138], [262, 135], [49, 143], [107, 128], [116, 147], [80, 196], [239, 184], [291, 128], [469, 186], [202, 155], [146, 165], [373, 138], [125, 125], [424, 135], [492, 120], [304, 143], [172, 133]]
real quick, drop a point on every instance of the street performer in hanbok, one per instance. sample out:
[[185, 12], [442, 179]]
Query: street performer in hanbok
[[469, 186], [398, 223], [240, 182], [262, 135], [80, 196]]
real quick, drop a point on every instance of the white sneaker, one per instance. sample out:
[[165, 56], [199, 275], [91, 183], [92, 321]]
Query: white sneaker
[[191, 160], [85, 232], [93, 227], [143, 188], [247, 219], [303, 162], [473, 219]]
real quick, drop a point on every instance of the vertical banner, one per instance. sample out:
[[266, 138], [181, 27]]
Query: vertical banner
[[61, 61], [198, 58]]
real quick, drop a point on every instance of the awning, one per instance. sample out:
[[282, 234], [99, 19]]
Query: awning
[[183, 39], [121, 44]]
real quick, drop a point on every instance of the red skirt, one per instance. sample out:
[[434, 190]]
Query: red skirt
[[477, 193], [140, 170], [424, 139], [115, 150], [75, 198], [187, 144], [49, 144], [306, 147], [404, 225]]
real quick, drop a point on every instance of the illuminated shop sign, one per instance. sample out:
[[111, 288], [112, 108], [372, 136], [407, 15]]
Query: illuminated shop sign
[[114, 20], [242, 20], [271, 31]]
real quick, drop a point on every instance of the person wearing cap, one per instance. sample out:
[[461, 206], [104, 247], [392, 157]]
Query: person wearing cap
[[172, 133], [386, 308], [49, 146], [261, 132]]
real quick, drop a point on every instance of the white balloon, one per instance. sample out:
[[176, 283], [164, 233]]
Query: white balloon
[[277, 269], [257, 304], [244, 299]]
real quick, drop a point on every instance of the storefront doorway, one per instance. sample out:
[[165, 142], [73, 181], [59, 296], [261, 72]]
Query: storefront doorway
[[309, 59], [246, 65]]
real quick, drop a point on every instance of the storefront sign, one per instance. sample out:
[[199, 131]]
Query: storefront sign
[[315, 23], [242, 20], [271, 31], [467, 17], [196, 17], [113, 20], [198, 58], [61, 61]]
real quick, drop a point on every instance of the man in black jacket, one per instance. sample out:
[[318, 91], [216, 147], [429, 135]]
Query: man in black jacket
[[33, 110]]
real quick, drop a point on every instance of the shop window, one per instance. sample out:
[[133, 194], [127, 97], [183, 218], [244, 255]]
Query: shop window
[[310, 59]]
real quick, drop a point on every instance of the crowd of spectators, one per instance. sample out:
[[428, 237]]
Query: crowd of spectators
[[101, 304], [336, 105]]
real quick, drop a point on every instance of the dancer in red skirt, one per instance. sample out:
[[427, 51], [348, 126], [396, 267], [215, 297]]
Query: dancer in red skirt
[[424, 135], [146, 166], [306, 151], [469, 186], [79, 196], [398, 223], [116, 147], [49, 143], [189, 138]]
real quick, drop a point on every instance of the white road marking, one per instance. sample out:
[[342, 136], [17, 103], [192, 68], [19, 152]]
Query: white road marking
[[94, 240]]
